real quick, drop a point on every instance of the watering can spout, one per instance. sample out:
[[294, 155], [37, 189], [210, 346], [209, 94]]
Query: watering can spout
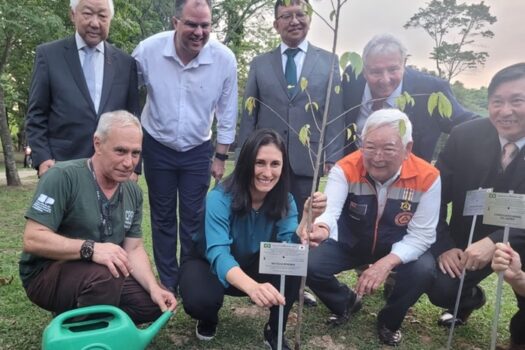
[[147, 335]]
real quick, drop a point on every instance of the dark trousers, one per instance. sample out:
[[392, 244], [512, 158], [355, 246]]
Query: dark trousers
[[444, 294], [300, 187], [67, 285], [203, 293], [175, 177], [331, 257]]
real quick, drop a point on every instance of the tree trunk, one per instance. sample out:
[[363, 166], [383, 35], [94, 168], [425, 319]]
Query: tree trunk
[[7, 145]]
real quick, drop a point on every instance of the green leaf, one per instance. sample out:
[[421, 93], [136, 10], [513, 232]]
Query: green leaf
[[432, 103], [401, 102], [304, 135], [309, 10], [337, 89], [350, 132], [357, 63], [332, 15], [249, 104], [444, 105], [313, 106], [344, 60], [304, 83], [402, 128]]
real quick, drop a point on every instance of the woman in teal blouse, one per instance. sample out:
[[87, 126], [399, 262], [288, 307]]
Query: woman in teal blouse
[[251, 206]]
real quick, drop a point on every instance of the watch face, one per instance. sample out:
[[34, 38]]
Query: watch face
[[86, 251]]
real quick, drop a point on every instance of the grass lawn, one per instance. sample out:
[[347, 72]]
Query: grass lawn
[[22, 323]]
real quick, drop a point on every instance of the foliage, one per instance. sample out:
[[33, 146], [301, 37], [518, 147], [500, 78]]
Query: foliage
[[454, 28], [473, 99]]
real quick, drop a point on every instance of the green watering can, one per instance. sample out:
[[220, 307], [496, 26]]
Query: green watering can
[[107, 328]]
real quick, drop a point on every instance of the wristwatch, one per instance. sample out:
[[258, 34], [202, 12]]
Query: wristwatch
[[86, 250], [221, 156]]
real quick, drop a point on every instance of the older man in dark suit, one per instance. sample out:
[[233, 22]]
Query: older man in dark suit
[[486, 153], [75, 80], [385, 78], [281, 105]]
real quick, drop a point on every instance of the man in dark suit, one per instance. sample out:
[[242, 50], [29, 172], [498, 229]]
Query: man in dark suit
[[282, 105], [486, 153], [385, 78], [68, 95]]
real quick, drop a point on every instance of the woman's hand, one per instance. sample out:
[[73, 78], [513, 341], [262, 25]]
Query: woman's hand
[[265, 295]]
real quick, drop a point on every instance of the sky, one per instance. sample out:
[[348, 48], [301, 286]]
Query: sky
[[362, 19]]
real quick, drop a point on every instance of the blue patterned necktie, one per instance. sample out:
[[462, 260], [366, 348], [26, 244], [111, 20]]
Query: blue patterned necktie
[[89, 70], [290, 71]]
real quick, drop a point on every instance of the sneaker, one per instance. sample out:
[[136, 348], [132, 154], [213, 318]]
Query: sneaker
[[353, 307], [205, 330], [271, 339], [473, 303], [388, 337], [309, 299]]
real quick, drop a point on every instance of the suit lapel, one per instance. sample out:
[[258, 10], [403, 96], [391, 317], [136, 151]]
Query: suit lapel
[[108, 75], [277, 65], [73, 62]]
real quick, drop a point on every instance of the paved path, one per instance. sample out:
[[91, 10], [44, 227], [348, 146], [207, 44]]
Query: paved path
[[26, 175]]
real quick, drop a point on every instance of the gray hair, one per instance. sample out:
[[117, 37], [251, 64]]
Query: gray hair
[[384, 43], [179, 6], [116, 119], [74, 3], [391, 117]]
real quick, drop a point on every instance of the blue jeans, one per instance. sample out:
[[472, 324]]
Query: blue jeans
[[175, 178], [332, 257]]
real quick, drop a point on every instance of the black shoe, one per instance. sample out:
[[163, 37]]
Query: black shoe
[[476, 301], [388, 337], [205, 330], [271, 339], [352, 308], [309, 299]]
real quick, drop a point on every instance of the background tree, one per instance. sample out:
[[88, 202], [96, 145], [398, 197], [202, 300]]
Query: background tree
[[23, 25], [454, 28]]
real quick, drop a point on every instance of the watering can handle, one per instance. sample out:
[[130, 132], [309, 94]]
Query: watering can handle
[[89, 310]]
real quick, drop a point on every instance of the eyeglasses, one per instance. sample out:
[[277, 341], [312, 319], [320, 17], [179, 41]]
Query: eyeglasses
[[106, 228], [288, 16], [371, 152], [194, 25]]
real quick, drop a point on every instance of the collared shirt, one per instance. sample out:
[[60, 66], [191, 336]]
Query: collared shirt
[[99, 65], [520, 143], [183, 99], [366, 105], [421, 230], [299, 57]]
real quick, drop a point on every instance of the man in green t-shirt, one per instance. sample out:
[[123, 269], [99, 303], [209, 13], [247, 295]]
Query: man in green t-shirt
[[83, 240]]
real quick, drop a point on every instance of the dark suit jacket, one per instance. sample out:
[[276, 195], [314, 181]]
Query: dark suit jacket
[[471, 159], [426, 128], [61, 117], [267, 83]]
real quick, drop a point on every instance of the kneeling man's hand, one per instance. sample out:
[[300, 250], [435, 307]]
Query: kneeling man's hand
[[163, 298], [114, 257], [451, 262]]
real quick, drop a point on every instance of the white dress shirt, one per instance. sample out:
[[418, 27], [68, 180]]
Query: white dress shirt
[[183, 99], [299, 57], [99, 65]]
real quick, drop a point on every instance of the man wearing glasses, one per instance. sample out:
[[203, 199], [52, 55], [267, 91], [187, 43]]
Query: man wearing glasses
[[280, 104], [383, 208], [83, 239], [190, 79], [383, 80]]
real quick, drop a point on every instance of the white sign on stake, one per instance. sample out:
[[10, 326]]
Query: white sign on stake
[[288, 259], [505, 209], [475, 202]]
